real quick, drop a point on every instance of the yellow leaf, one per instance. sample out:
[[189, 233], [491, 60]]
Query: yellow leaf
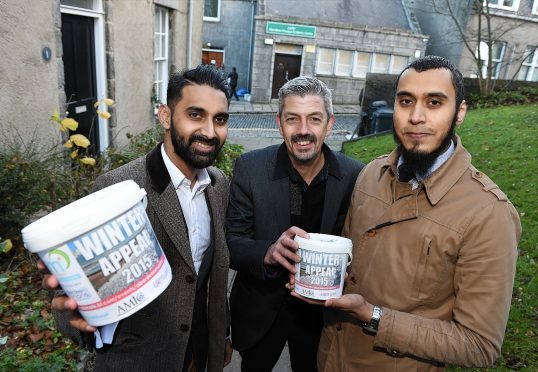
[[108, 101], [88, 161], [69, 123], [6, 246], [103, 114], [55, 116], [74, 154], [80, 140], [68, 144], [96, 104]]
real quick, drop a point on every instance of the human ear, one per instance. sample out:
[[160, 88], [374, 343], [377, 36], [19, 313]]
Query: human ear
[[164, 116]]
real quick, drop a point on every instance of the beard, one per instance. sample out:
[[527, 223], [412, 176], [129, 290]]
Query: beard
[[189, 154], [304, 157], [421, 161]]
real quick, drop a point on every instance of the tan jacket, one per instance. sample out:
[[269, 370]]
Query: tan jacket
[[440, 260]]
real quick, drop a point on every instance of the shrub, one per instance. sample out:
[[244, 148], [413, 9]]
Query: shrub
[[520, 96], [23, 186]]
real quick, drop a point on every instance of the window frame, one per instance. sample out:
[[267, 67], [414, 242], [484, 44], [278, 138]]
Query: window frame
[[336, 63], [333, 63], [161, 61], [513, 8], [210, 18], [368, 68], [532, 65], [374, 60]]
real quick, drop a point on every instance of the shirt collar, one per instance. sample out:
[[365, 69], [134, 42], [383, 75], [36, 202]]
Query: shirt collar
[[178, 178], [441, 159], [441, 181]]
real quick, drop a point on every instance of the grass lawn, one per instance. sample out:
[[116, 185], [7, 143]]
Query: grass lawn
[[504, 144]]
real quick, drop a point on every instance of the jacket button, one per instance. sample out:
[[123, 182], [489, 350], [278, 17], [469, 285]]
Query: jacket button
[[184, 328], [371, 233], [478, 174], [189, 279]]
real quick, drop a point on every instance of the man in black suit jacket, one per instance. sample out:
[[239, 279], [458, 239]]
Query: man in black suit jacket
[[185, 328], [276, 193]]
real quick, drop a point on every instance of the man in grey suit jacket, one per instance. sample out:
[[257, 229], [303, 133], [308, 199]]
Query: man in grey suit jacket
[[185, 328], [298, 187]]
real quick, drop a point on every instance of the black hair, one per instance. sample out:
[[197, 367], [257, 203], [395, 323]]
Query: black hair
[[436, 62], [201, 75]]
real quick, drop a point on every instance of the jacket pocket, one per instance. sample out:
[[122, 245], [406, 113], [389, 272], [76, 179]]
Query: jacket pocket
[[430, 271]]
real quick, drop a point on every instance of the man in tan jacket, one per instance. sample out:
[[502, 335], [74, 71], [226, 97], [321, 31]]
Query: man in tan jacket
[[434, 244]]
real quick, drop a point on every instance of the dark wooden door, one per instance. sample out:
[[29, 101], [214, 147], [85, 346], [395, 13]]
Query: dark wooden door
[[210, 55], [286, 68], [79, 71]]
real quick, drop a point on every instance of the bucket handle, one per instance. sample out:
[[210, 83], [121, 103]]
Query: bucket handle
[[350, 257], [144, 196]]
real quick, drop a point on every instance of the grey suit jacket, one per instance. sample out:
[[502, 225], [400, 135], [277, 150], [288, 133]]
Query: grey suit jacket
[[156, 337], [258, 213]]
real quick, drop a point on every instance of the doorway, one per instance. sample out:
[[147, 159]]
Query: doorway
[[79, 72], [286, 67], [213, 55]]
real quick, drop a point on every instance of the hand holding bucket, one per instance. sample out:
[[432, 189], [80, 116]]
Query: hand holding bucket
[[321, 272]]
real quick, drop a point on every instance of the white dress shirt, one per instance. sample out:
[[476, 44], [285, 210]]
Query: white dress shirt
[[198, 221]]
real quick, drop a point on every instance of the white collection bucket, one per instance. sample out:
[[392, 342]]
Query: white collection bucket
[[104, 252], [324, 258]]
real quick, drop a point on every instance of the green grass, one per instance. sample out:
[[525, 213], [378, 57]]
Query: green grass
[[504, 144]]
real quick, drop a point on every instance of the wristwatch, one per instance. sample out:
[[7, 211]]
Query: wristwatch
[[372, 326]]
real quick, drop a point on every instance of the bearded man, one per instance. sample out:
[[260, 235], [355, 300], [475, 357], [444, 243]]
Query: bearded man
[[434, 244], [186, 327]]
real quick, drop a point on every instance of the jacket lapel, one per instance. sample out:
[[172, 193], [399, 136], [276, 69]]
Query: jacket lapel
[[280, 189], [333, 194], [163, 199]]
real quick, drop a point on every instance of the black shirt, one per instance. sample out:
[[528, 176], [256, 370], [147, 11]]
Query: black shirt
[[306, 201]]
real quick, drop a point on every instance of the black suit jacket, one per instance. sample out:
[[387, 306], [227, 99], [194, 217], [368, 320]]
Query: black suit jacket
[[258, 213]]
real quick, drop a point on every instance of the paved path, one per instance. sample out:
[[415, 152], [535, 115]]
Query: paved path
[[258, 130]]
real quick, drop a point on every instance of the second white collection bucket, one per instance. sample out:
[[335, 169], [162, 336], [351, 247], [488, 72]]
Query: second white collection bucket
[[324, 258]]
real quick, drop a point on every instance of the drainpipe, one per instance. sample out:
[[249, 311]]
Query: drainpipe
[[189, 35], [249, 67]]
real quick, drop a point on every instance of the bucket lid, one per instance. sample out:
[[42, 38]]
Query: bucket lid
[[325, 243], [81, 216]]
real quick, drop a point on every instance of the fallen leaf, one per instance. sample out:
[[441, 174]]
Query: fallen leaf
[[34, 337]]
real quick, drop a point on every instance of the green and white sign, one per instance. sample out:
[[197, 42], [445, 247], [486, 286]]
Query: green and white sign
[[290, 29]]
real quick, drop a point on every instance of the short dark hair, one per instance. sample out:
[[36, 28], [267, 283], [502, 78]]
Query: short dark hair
[[201, 75], [306, 85], [435, 62]]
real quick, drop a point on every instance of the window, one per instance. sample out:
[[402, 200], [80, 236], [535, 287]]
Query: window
[[497, 53], [398, 64], [212, 10], [381, 63], [529, 68], [160, 56], [504, 4], [361, 65], [325, 61], [343, 62]]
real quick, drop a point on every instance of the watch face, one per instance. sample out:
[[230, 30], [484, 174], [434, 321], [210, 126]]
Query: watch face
[[374, 322]]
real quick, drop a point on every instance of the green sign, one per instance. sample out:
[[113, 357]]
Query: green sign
[[290, 29]]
